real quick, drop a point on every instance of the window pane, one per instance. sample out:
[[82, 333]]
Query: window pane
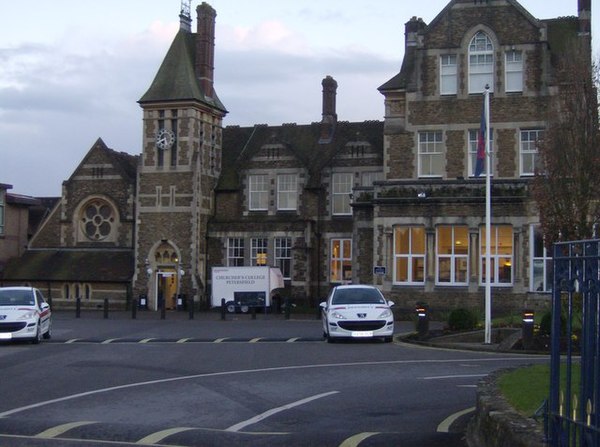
[[401, 237], [418, 269], [402, 269], [418, 240], [444, 269], [444, 240], [461, 240]]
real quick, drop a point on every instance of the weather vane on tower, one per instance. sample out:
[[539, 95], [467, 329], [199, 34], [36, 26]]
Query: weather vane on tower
[[185, 17]]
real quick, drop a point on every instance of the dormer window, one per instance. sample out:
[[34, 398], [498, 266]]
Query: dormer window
[[481, 63]]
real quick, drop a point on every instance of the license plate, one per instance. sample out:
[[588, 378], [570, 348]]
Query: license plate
[[5, 336], [362, 334]]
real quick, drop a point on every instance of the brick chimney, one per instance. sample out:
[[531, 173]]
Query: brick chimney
[[584, 8], [205, 47], [329, 118]]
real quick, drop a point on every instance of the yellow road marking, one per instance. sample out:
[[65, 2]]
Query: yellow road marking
[[353, 441], [53, 432], [157, 437], [444, 426]]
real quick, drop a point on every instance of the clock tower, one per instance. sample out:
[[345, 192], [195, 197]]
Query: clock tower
[[179, 167]]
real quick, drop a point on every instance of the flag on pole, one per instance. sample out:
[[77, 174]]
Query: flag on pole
[[481, 137]]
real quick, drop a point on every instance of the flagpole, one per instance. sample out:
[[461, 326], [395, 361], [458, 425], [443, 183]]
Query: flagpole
[[488, 219]]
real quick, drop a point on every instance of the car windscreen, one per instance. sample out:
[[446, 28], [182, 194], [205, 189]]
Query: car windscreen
[[357, 296], [16, 298]]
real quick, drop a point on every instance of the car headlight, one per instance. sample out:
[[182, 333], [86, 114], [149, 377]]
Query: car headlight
[[386, 314], [336, 315], [29, 315]]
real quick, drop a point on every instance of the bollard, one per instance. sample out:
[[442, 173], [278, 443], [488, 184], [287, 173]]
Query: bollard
[[163, 309], [527, 329], [78, 307], [253, 312], [134, 305], [422, 320], [105, 308], [223, 309], [191, 307], [287, 306]]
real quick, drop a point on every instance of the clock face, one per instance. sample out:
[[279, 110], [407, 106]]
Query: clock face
[[165, 139]]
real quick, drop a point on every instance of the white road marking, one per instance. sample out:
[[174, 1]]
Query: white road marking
[[182, 340], [261, 370], [444, 426], [355, 440], [147, 340], [456, 376], [254, 340], [219, 340], [292, 340], [271, 412], [73, 340], [53, 432], [110, 340]]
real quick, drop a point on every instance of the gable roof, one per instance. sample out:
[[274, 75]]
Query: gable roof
[[122, 162], [176, 78], [240, 144], [71, 265]]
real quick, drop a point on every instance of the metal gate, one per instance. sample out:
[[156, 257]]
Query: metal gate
[[574, 400]]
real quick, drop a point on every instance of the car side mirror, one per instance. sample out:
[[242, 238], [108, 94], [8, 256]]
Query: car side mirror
[[391, 303], [45, 306], [323, 305]]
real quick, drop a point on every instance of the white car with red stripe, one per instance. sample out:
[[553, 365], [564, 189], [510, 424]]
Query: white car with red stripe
[[24, 314], [357, 311]]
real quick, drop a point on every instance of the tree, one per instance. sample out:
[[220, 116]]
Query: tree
[[567, 182]]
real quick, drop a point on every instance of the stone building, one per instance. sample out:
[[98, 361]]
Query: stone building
[[426, 223], [394, 203]]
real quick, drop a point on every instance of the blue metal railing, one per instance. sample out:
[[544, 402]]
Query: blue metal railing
[[574, 399]]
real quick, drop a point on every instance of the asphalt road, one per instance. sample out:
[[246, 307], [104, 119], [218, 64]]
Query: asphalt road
[[240, 382]]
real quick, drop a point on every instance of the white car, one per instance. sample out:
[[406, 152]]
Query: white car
[[24, 314], [357, 311]]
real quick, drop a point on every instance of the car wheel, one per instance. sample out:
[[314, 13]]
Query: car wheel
[[244, 309], [48, 334], [230, 308], [38, 335]]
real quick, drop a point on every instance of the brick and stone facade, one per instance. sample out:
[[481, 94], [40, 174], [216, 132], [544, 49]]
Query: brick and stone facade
[[393, 203]]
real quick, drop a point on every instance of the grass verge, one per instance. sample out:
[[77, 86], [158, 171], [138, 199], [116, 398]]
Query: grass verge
[[526, 388]]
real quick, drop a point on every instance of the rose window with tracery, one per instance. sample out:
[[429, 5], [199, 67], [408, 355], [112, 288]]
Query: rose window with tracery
[[97, 220]]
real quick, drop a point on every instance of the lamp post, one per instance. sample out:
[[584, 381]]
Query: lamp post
[[144, 304]]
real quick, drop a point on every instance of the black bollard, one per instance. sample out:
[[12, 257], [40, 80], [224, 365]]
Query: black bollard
[[78, 307], [527, 329], [422, 321], [191, 307], [223, 310], [287, 306], [253, 312], [105, 308], [134, 305]]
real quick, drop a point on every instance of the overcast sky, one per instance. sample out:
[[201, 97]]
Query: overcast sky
[[72, 71]]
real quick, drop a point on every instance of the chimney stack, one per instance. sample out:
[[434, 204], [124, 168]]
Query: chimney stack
[[329, 92], [329, 119], [205, 47], [412, 28]]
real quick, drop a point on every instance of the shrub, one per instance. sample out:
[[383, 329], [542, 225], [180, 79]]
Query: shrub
[[546, 324], [462, 320]]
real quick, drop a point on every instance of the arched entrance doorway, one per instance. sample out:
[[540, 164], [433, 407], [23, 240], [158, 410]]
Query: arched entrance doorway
[[165, 281]]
